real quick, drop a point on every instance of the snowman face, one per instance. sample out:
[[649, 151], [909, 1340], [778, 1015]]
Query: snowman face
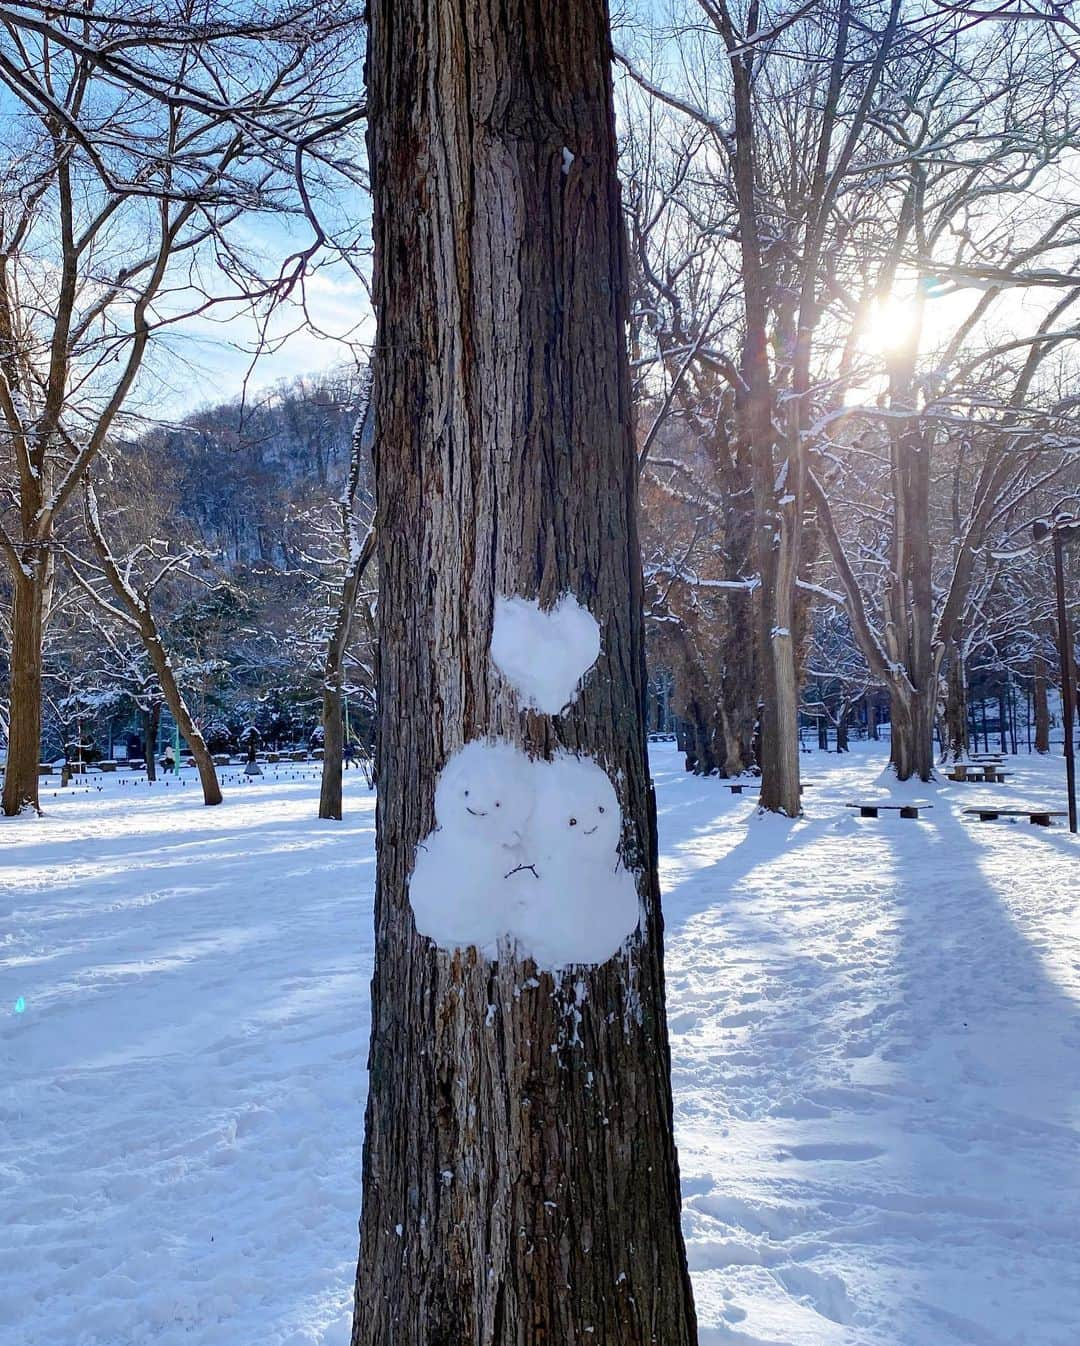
[[485, 793], [576, 814]]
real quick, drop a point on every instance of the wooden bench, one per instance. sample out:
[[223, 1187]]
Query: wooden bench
[[904, 810], [1040, 817], [754, 783]]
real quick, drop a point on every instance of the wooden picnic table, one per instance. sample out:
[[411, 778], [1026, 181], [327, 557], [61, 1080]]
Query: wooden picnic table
[[982, 773]]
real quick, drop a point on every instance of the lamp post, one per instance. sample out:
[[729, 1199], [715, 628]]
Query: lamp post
[[1063, 529]]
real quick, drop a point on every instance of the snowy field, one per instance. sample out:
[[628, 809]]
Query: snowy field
[[876, 1034]]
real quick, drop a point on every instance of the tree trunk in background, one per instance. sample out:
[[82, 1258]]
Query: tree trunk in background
[[912, 738], [330, 793], [174, 699], [1042, 706], [360, 553], [777, 554], [330, 796], [909, 609], [738, 686], [520, 1179], [843, 730], [694, 701], [777, 497], [24, 736], [700, 756], [151, 718], [955, 743]]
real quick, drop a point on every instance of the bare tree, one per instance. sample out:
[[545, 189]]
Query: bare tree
[[801, 93], [877, 162], [129, 603], [147, 141]]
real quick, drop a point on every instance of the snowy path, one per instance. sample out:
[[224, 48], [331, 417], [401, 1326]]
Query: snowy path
[[876, 1033], [877, 1066]]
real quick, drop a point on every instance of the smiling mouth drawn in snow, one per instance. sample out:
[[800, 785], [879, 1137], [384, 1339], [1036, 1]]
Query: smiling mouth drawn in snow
[[544, 656], [527, 849]]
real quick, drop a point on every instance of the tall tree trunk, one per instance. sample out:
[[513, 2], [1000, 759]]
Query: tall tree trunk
[[955, 744], [696, 737], [739, 688], [1042, 706], [777, 504], [174, 699], [912, 737], [777, 553], [520, 1177], [695, 705], [151, 718], [330, 794], [24, 734]]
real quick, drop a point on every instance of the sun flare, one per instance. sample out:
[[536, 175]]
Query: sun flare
[[890, 324]]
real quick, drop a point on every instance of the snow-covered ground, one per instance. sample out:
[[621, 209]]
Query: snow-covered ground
[[876, 1035]]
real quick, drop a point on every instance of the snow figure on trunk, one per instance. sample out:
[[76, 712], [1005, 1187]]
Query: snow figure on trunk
[[461, 882], [522, 848], [585, 903]]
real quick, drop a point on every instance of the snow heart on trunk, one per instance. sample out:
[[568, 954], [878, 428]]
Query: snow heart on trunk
[[523, 848], [544, 655]]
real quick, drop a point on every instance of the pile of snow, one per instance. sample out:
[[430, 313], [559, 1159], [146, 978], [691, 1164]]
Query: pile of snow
[[526, 850], [544, 655]]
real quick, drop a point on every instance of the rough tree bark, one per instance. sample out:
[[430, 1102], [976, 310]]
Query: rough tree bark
[[955, 742], [520, 1178], [739, 687], [360, 554], [151, 718], [24, 737], [170, 690], [1042, 706]]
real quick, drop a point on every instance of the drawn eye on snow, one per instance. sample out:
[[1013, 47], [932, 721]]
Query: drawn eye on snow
[[512, 862]]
